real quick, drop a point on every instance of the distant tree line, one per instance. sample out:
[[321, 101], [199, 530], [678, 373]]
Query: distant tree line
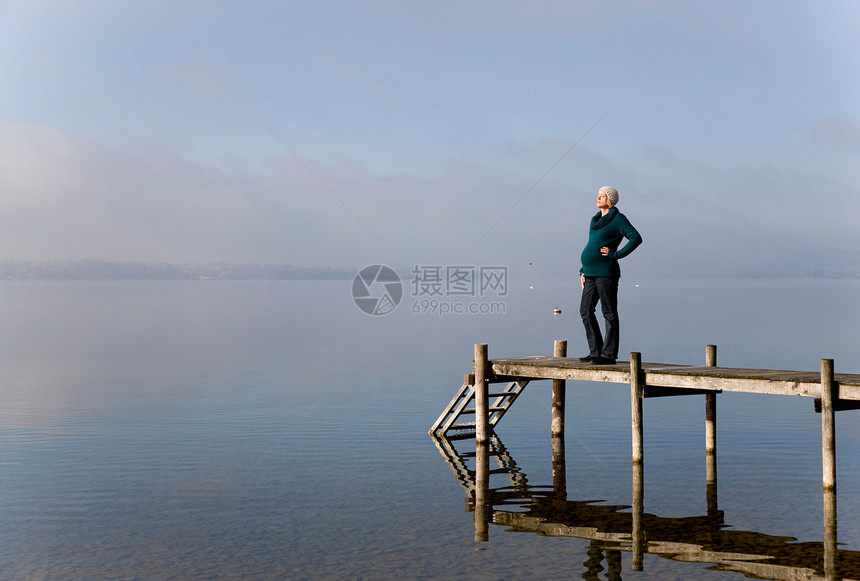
[[108, 270], [836, 263]]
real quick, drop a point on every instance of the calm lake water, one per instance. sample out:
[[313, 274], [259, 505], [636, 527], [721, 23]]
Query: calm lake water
[[272, 430]]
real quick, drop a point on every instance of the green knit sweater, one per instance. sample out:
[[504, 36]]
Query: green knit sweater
[[608, 231]]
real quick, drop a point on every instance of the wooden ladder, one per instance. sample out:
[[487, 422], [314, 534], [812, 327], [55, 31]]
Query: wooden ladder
[[463, 404]]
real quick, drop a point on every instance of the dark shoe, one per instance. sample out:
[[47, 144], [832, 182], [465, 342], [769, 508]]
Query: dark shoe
[[603, 361], [588, 359]]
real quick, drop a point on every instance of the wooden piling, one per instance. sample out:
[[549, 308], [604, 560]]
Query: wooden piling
[[558, 394], [637, 392], [711, 406], [711, 423], [828, 425], [482, 396]]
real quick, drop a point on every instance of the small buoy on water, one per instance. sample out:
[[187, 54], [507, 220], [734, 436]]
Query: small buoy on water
[[556, 311]]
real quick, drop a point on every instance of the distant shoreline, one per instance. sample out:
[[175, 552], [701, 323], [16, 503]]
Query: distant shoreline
[[109, 270], [95, 269]]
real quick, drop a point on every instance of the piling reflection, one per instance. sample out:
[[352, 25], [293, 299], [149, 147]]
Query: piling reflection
[[611, 530]]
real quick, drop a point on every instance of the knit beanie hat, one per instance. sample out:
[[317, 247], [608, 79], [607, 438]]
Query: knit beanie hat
[[611, 194]]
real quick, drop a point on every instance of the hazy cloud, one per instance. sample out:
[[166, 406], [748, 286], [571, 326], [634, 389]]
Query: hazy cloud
[[408, 132]]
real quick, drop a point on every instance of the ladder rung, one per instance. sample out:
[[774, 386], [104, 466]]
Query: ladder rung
[[491, 408], [466, 426]]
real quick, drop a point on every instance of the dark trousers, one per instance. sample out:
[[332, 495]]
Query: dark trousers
[[605, 290]]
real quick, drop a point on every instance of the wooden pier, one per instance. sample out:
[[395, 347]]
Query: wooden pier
[[831, 391]]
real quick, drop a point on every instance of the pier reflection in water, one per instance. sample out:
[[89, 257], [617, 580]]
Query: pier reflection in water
[[521, 506]]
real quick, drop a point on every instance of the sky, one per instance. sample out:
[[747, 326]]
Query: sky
[[349, 133]]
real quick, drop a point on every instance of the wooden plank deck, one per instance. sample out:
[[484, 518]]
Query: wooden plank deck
[[763, 381]]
